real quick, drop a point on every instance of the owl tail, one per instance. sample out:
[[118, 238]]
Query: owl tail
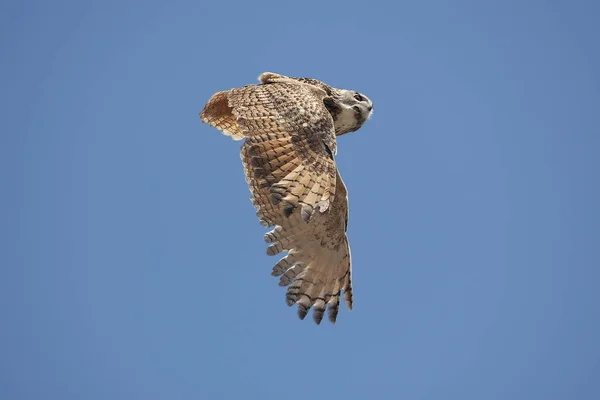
[[218, 114]]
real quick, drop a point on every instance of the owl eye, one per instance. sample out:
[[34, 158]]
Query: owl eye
[[358, 97]]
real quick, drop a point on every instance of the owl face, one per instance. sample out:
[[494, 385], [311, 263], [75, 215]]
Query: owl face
[[351, 110]]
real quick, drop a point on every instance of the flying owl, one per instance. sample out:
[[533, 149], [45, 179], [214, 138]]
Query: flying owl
[[289, 126]]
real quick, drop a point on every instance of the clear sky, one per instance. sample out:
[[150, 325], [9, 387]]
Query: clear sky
[[133, 266]]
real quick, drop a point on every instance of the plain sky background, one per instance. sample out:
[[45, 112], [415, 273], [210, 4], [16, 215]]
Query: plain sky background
[[133, 266]]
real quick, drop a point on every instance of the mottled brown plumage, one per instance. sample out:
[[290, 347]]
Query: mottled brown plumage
[[290, 127]]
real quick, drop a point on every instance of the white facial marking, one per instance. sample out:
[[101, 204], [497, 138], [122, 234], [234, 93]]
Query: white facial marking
[[346, 120]]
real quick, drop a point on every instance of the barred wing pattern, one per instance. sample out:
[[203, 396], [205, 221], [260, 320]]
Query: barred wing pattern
[[295, 186]]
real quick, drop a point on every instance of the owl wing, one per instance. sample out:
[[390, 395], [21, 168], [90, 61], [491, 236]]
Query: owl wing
[[288, 161], [290, 138], [317, 266]]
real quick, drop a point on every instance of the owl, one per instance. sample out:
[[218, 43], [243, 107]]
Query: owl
[[290, 128]]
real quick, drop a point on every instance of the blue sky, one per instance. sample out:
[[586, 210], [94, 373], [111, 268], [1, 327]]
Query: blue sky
[[133, 266]]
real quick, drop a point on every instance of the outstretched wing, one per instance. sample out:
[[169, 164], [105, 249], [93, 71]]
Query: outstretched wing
[[290, 135], [317, 266], [289, 165]]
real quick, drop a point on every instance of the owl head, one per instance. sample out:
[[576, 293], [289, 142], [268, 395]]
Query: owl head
[[349, 109]]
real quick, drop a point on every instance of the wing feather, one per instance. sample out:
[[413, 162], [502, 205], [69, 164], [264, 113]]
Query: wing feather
[[288, 131], [317, 267]]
